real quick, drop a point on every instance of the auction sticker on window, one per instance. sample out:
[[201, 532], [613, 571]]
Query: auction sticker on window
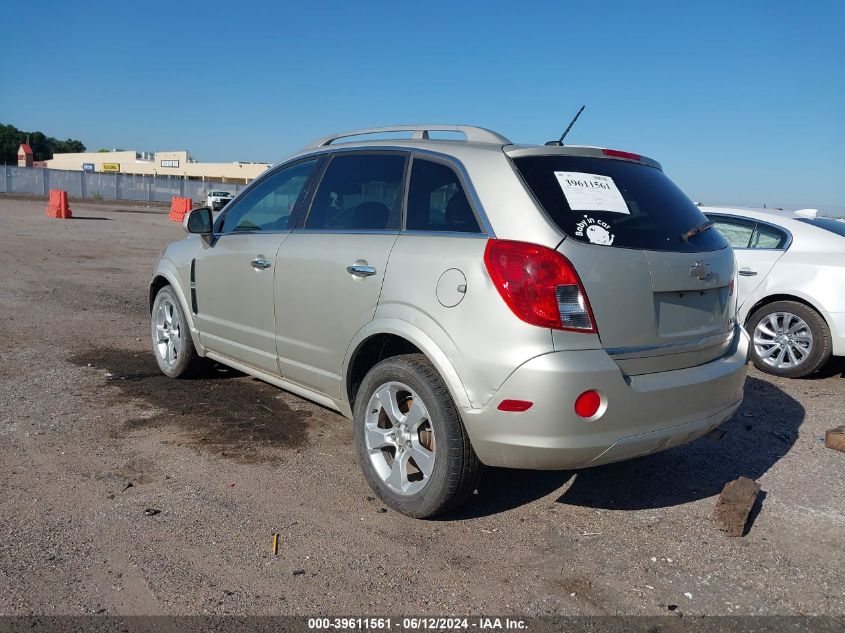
[[591, 192]]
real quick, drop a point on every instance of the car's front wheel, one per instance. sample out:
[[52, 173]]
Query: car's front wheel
[[171, 337], [410, 440], [789, 339]]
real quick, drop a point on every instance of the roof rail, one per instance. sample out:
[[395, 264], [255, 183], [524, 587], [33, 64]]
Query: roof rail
[[421, 132]]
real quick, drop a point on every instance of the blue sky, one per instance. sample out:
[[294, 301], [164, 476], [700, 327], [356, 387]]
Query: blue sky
[[742, 102]]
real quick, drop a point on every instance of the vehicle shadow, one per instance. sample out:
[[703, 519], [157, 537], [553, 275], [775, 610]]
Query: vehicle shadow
[[212, 370], [759, 434], [834, 367], [88, 217]]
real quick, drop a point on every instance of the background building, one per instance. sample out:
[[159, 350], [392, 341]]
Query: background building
[[24, 155], [177, 163]]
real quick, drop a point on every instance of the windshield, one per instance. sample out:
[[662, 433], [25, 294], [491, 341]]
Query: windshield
[[617, 203], [828, 224]]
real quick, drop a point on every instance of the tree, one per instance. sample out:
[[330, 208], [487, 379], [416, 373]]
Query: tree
[[43, 146]]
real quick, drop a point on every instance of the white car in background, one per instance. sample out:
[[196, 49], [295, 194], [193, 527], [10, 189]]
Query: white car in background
[[790, 285], [218, 199]]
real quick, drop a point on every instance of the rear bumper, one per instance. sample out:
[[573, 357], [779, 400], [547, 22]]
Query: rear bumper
[[642, 414]]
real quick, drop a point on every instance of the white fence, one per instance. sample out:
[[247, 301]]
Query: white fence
[[81, 184]]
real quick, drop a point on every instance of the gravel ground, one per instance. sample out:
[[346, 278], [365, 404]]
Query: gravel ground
[[228, 461]]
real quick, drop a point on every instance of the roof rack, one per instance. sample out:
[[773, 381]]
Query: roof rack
[[421, 132]]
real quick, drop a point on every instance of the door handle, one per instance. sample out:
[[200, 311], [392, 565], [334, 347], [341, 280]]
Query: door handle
[[747, 272], [356, 270], [261, 264]]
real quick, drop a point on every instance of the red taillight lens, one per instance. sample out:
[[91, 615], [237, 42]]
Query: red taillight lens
[[515, 405], [620, 154], [587, 404], [539, 285]]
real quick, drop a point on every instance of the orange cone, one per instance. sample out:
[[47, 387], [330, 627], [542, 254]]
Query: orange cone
[[58, 206], [64, 207], [179, 208]]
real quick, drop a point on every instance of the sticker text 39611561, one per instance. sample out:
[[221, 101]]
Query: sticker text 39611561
[[591, 192]]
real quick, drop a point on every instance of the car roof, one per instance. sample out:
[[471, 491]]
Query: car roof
[[477, 140], [775, 216], [788, 220]]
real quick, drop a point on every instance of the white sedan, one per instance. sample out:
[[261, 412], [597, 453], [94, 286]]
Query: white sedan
[[791, 285]]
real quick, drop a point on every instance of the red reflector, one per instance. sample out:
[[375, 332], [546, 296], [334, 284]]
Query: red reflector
[[620, 154], [587, 404], [515, 405]]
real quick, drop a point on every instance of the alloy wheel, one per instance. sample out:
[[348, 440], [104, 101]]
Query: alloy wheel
[[399, 438], [167, 337], [783, 340]]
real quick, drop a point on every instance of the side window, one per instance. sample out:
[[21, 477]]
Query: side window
[[359, 192], [268, 205], [437, 201], [767, 237], [737, 232]]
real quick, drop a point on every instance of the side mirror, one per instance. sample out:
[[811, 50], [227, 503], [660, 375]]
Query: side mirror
[[199, 221]]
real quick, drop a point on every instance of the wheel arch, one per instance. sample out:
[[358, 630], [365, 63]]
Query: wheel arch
[[783, 297], [164, 277], [390, 337]]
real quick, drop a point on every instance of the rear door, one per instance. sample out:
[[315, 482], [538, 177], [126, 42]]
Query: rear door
[[661, 295], [233, 275], [757, 246], [331, 269]]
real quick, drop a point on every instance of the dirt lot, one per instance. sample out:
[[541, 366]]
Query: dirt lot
[[228, 461]]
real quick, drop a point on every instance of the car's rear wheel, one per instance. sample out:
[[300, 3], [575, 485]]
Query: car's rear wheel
[[411, 443], [171, 337], [789, 339]]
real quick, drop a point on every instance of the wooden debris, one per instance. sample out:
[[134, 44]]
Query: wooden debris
[[835, 439], [734, 505]]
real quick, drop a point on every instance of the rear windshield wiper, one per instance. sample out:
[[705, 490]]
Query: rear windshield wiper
[[686, 237]]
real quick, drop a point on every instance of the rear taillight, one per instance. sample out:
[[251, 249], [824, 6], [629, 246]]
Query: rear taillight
[[539, 285]]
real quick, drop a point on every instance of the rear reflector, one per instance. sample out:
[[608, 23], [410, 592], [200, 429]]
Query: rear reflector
[[539, 285], [587, 404], [515, 405], [620, 154]]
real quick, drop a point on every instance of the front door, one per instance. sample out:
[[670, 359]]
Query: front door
[[330, 272], [234, 274]]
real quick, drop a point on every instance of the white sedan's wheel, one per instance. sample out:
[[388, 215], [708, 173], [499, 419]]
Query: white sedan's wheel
[[788, 339], [783, 340]]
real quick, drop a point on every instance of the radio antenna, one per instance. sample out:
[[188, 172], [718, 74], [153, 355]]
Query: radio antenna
[[568, 127]]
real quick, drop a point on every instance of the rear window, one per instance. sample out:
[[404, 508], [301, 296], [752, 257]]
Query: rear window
[[828, 224], [616, 203]]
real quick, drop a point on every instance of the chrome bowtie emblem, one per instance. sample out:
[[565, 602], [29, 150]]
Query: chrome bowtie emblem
[[700, 270]]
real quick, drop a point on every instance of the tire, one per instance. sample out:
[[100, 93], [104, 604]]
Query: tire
[[796, 329], [173, 346], [406, 397]]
